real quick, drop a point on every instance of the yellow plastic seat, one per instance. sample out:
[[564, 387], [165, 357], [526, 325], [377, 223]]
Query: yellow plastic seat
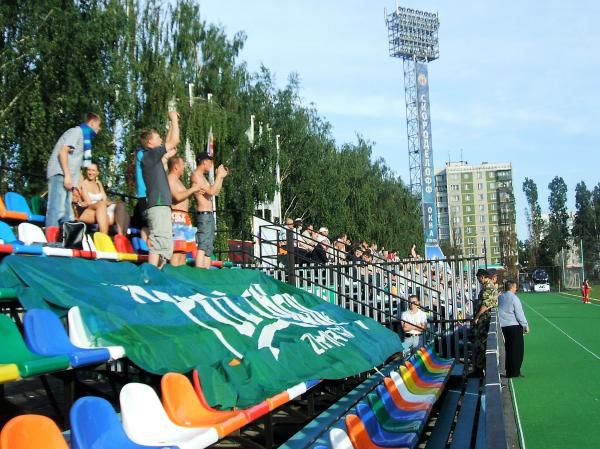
[[9, 372]]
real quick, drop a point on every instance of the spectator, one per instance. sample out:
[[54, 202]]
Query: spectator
[[158, 194], [308, 234], [303, 249], [205, 220], [180, 216], [514, 325], [139, 212], [414, 322], [319, 253], [95, 207], [481, 323], [71, 152]]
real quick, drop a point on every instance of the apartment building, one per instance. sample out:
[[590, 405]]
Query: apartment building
[[476, 210]]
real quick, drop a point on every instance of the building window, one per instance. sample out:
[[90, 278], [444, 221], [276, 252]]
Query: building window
[[482, 229], [481, 207], [467, 197], [482, 240], [494, 218], [495, 228], [479, 186], [467, 187], [482, 219], [480, 175], [491, 186], [468, 208], [493, 207], [454, 177], [481, 197], [465, 176], [456, 198], [454, 187], [468, 219]]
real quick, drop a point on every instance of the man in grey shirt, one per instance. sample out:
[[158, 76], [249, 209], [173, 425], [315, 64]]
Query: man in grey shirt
[[64, 167], [514, 325]]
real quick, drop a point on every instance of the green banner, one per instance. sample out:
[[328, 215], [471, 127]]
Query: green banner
[[249, 336]]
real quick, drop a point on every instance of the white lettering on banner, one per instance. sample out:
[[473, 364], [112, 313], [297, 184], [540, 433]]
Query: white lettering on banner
[[245, 317]]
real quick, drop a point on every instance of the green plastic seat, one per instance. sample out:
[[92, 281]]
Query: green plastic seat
[[14, 350], [8, 293], [38, 205], [388, 423]]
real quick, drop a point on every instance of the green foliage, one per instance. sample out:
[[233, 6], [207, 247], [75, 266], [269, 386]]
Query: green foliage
[[585, 226], [126, 59], [534, 222]]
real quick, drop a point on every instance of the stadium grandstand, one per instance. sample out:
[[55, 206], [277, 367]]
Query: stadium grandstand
[[268, 348]]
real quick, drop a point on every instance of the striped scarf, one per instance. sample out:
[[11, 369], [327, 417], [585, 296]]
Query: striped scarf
[[88, 135]]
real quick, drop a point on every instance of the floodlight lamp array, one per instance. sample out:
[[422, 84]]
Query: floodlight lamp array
[[413, 34]]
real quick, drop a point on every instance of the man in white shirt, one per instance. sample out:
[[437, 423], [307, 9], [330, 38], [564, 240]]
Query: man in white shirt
[[414, 323]]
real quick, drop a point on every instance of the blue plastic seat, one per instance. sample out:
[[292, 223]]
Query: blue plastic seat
[[15, 202], [394, 411], [139, 245], [45, 335], [380, 436], [8, 236], [95, 425]]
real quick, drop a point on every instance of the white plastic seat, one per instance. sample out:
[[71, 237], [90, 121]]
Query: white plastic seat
[[81, 337], [146, 422], [30, 233], [408, 395], [57, 252], [338, 439], [88, 245]]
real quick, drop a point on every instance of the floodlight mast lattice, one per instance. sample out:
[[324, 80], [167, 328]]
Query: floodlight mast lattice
[[413, 36]]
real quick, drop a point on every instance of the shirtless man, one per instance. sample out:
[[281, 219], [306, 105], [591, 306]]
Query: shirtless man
[[181, 202], [205, 220]]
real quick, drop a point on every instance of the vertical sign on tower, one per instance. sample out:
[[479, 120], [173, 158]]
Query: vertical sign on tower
[[430, 223]]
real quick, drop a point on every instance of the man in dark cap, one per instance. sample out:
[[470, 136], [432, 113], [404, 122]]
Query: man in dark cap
[[486, 302]]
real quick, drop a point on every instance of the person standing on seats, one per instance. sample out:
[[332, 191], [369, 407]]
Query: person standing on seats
[[205, 219], [514, 325], [481, 322], [158, 193], [71, 153]]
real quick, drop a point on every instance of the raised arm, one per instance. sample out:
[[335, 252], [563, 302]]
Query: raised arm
[[172, 135]]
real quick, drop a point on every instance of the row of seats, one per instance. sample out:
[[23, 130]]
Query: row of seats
[[183, 420], [33, 241], [15, 208], [388, 410], [46, 347]]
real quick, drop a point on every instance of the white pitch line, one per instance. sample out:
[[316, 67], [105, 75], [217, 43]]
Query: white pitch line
[[575, 296], [559, 329], [514, 396]]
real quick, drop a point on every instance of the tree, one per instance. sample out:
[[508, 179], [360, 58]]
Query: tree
[[535, 223], [557, 237], [585, 226]]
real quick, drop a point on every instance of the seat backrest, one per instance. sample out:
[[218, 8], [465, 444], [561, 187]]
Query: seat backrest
[[38, 205], [30, 233], [45, 334], [144, 417], [52, 233], [16, 202], [366, 415], [6, 233], [357, 432], [12, 349], [180, 401], [78, 333], [103, 243], [32, 432], [123, 245], [95, 425], [338, 439]]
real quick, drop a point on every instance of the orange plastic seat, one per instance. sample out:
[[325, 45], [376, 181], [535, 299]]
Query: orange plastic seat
[[431, 364], [402, 403], [358, 434], [278, 400], [185, 409], [8, 215], [32, 432]]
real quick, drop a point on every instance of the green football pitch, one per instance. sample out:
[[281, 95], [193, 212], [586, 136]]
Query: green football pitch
[[558, 400]]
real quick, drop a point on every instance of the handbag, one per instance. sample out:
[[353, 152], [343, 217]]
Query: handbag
[[73, 233]]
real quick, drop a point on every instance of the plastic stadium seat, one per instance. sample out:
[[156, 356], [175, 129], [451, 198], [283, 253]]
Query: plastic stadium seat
[[390, 423], [435, 363], [105, 249], [38, 205], [422, 373], [9, 372], [95, 425], [15, 202], [8, 237], [32, 432], [397, 412], [185, 409], [14, 350], [420, 385], [123, 245], [434, 357], [401, 402], [378, 435], [146, 421], [6, 249], [30, 233], [358, 434], [338, 439], [407, 393], [10, 215], [52, 234], [81, 337], [45, 335], [139, 245]]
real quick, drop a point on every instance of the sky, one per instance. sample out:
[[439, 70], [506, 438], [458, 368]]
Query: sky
[[516, 81]]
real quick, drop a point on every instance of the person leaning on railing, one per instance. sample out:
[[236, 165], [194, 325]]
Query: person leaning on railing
[[414, 322]]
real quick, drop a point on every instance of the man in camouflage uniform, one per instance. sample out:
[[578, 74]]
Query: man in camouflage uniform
[[481, 323]]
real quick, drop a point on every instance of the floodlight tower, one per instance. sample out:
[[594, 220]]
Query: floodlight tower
[[413, 36]]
